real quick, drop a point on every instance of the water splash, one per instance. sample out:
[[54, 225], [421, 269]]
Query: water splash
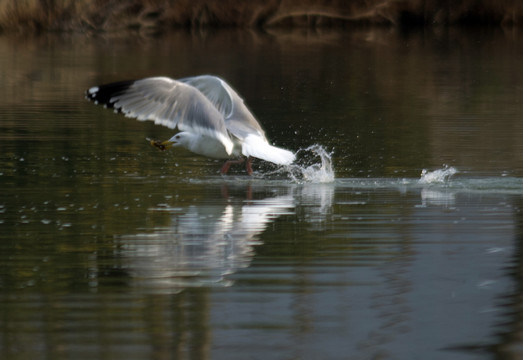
[[314, 165], [437, 176]]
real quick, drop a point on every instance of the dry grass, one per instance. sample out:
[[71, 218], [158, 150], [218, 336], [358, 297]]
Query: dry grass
[[115, 15], [32, 15]]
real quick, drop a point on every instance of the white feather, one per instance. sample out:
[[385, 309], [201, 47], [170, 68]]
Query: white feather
[[256, 146]]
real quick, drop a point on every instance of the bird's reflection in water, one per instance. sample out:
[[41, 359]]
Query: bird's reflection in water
[[316, 202], [203, 243], [442, 198]]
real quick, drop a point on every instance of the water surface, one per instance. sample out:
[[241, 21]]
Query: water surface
[[112, 249]]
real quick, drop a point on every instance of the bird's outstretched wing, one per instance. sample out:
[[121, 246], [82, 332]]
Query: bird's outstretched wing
[[171, 103]]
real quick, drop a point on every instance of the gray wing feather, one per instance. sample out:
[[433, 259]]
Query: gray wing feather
[[173, 104], [238, 119], [212, 87]]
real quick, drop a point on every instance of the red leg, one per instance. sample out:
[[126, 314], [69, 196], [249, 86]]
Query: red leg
[[248, 165], [225, 168], [228, 164]]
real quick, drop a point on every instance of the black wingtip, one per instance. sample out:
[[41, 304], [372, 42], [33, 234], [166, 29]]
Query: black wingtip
[[103, 94]]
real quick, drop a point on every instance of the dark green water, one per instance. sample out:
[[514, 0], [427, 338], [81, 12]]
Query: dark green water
[[110, 249]]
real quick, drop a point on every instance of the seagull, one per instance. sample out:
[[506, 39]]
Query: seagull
[[211, 118]]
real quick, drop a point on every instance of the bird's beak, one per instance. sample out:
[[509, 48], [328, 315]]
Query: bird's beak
[[164, 145], [167, 144]]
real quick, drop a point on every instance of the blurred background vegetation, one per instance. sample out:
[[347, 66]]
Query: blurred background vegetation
[[159, 15]]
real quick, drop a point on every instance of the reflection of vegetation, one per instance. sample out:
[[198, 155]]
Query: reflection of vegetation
[[387, 102], [152, 15]]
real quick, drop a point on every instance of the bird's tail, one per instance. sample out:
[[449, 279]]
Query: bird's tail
[[258, 147]]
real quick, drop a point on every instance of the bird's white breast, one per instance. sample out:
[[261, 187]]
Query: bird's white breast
[[210, 147]]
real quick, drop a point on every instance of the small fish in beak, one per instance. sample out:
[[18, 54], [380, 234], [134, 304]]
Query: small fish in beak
[[161, 145]]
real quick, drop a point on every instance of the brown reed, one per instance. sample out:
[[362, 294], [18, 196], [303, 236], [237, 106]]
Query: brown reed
[[117, 15]]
